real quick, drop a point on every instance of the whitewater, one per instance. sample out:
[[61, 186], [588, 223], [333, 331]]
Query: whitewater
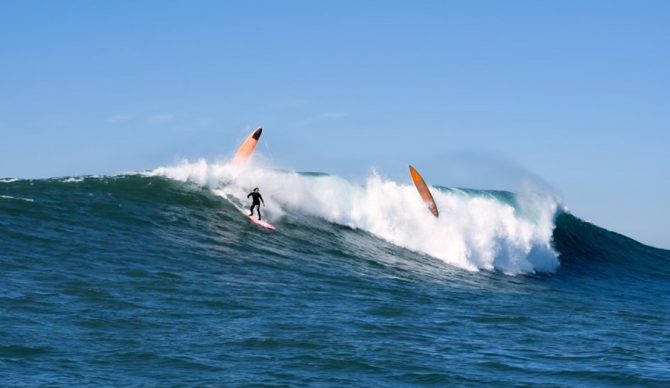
[[475, 231], [156, 278]]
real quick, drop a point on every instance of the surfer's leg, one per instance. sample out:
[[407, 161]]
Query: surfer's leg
[[259, 212], [252, 209]]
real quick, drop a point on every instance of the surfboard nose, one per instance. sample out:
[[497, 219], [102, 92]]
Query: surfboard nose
[[257, 133]]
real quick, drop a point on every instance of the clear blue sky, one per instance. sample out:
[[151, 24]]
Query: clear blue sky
[[472, 92]]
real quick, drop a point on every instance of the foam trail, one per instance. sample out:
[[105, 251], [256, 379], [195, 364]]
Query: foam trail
[[17, 198], [473, 232]]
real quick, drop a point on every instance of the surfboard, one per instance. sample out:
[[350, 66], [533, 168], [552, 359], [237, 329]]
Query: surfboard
[[254, 219], [423, 191], [247, 148], [261, 223]]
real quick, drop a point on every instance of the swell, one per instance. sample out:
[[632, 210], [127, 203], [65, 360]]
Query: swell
[[109, 208], [587, 249]]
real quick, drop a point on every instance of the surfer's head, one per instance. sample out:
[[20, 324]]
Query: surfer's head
[[256, 189]]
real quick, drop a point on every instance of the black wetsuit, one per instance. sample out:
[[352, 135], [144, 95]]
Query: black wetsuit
[[257, 198]]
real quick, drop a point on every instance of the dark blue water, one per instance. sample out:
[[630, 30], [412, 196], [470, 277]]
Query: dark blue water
[[140, 280]]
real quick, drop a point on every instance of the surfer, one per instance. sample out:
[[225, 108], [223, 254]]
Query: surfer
[[257, 198]]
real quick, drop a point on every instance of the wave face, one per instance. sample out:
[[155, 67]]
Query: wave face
[[157, 278]]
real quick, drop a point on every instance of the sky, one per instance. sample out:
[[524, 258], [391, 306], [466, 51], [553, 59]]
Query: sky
[[483, 94]]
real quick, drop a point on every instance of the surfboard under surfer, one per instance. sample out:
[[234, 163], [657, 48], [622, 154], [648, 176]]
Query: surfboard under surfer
[[256, 198]]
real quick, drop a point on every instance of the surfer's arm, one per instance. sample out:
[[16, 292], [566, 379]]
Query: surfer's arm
[[261, 198], [248, 195]]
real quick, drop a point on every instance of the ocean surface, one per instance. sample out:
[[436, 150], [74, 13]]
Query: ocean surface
[[158, 279]]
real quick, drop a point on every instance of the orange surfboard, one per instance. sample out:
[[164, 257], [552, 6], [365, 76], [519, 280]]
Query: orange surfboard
[[247, 148], [423, 191]]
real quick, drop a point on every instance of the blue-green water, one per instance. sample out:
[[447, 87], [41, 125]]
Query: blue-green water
[[151, 280]]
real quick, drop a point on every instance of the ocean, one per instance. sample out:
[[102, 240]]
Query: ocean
[[156, 278]]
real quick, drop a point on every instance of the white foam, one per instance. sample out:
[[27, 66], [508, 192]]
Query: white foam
[[472, 232], [73, 179], [17, 198]]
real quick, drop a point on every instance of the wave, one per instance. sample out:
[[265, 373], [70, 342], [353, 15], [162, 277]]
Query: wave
[[143, 252], [587, 249], [512, 233], [477, 230]]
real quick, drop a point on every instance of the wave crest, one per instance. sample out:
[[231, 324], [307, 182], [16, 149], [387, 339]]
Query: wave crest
[[476, 229]]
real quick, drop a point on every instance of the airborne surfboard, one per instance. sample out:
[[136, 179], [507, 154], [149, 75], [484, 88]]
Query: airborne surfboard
[[247, 148], [423, 191]]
